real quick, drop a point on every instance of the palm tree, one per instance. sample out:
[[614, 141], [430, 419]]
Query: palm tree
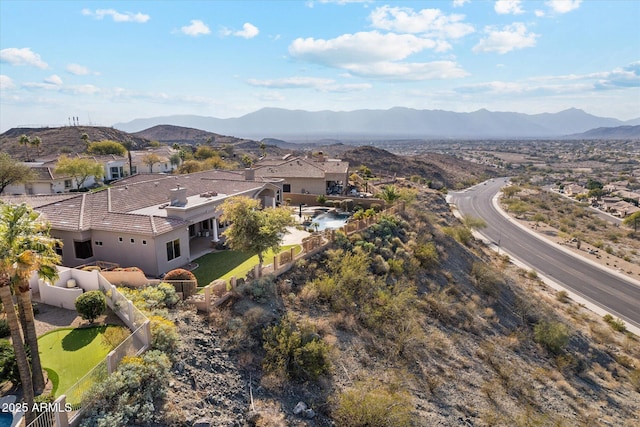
[[36, 141], [25, 247], [24, 140], [129, 144], [389, 194]]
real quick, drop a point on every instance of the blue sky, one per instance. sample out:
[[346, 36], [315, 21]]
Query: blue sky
[[113, 61]]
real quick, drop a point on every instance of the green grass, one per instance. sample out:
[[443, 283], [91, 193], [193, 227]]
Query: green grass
[[67, 354], [226, 264]]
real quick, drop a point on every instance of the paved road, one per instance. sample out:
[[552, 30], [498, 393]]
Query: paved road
[[609, 291]]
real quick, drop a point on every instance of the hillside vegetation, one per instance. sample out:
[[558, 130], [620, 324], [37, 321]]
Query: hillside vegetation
[[411, 322]]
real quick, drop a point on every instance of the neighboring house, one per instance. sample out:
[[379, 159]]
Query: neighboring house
[[164, 165], [47, 181], [304, 175], [150, 223], [572, 190]]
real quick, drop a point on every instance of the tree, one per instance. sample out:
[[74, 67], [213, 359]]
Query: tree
[[389, 194], [253, 229], [511, 191], [204, 152], [85, 139], [24, 140], [12, 172], [150, 159], [129, 145], [189, 166], [263, 147], [25, 247], [90, 305], [175, 160], [632, 219], [79, 169], [36, 141], [107, 147]]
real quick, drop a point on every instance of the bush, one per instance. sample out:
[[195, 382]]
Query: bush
[[4, 328], [164, 334], [179, 274], [90, 305], [8, 364], [295, 350], [374, 405], [132, 395], [427, 254], [554, 336], [616, 324]]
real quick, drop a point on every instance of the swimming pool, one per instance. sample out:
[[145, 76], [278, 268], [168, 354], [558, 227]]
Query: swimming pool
[[6, 419], [331, 220]]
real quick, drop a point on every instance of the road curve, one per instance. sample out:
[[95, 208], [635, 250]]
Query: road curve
[[601, 287]]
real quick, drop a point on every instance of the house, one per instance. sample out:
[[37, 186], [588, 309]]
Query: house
[[318, 175], [572, 190], [163, 165], [47, 181], [154, 222]]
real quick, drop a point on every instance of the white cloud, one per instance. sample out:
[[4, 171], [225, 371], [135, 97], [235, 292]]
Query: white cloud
[[628, 76], [311, 3], [563, 6], [429, 22], [511, 37], [363, 47], [195, 28], [539, 13], [320, 84], [6, 82], [506, 7], [80, 70], [54, 80], [24, 56], [408, 71], [139, 18], [460, 3], [248, 31]]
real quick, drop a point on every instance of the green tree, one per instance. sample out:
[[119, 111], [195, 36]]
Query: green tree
[[79, 169], [150, 159], [24, 140], [12, 172], [25, 247], [389, 194], [204, 152], [36, 141], [85, 138], [632, 219], [175, 160], [190, 166], [511, 191], [90, 305], [252, 229], [263, 147], [107, 147]]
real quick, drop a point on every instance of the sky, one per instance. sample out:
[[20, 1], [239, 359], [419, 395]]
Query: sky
[[104, 62]]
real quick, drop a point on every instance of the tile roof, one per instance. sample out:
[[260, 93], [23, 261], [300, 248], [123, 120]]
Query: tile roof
[[119, 208]]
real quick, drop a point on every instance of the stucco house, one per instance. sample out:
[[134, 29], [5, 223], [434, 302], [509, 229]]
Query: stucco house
[[152, 221], [318, 175], [163, 165], [47, 181]]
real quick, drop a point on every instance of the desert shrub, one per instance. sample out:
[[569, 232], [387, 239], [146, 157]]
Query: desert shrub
[[152, 299], [295, 350], [562, 296], [4, 328], [532, 274], [113, 336], [90, 305], [634, 377], [164, 334], [179, 274], [373, 404], [616, 324], [170, 296], [427, 254], [8, 364], [461, 234], [554, 336], [132, 395], [487, 279]]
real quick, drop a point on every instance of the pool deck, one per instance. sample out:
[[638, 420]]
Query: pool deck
[[17, 415]]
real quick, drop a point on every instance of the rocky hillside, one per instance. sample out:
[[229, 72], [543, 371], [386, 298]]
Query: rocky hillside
[[169, 134], [411, 323], [56, 141], [445, 169]]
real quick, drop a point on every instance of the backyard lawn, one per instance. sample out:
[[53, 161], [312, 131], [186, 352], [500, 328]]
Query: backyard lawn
[[226, 264], [68, 354]]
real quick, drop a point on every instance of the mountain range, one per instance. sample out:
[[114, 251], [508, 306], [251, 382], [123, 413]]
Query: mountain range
[[398, 122]]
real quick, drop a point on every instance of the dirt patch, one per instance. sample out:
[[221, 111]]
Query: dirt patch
[[49, 318]]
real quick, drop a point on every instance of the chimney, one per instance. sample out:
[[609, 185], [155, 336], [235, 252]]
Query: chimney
[[249, 174], [178, 196]]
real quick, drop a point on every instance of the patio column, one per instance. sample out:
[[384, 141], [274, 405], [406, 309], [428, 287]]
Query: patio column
[[215, 230]]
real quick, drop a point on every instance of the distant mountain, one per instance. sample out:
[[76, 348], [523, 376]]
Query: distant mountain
[[171, 134], [618, 132], [396, 122]]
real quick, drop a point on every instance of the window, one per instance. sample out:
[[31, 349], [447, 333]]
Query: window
[[133, 240], [83, 249], [144, 242], [134, 170], [286, 188], [173, 249], [59, 249], [119, 239], [67, 183], [98, 243]]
